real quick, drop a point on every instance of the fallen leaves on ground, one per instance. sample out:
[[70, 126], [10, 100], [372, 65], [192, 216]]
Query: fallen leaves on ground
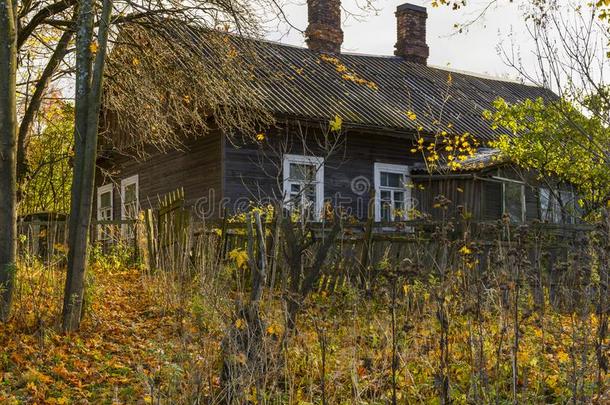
[[123, 344]]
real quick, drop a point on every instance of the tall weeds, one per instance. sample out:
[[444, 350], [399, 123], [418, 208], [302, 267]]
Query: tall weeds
[[470, 313]]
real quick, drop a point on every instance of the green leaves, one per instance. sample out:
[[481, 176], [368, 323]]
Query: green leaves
[[558, 140]]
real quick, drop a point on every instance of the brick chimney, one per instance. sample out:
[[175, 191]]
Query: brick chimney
[[324, 32], [411, 33]]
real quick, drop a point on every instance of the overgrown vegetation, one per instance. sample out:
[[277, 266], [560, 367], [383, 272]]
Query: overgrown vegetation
[[436, 317]]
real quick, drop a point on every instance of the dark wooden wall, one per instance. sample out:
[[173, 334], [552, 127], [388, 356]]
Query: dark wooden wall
[[253, 170], [197, 168], [220, 173], [480, 195]]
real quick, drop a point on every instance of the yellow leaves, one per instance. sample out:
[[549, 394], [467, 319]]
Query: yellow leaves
[[232, 53], [93, 47], [432, 158], [34, 376], [347, 74], [260, 137], [240, 257], [335, 124], [274, 330], [330, 59], [58, 401], [563, 357], [135, 61], [31, 387], [465, 250], [352, 77], [240, 323], [444, 147]]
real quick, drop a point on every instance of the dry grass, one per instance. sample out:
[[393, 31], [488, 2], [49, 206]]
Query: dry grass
[[173, 337]]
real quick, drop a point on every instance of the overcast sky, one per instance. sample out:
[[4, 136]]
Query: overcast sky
[[474, 51]]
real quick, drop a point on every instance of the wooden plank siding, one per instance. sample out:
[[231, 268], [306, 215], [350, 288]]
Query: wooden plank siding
[[219, 173], [196, 168], [252, 173]]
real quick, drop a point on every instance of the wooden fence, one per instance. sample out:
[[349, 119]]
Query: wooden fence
[[48, 240], [168, 238]]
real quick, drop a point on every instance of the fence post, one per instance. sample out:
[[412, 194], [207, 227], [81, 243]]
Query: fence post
[[368, 238]]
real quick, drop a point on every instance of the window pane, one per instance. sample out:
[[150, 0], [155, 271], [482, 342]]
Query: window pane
[[131, 211], [567, 202], [513, 202], [546, 211], [303, 198], [310, 193], [391, 180], [305, 172], [130, 193], [105, 200], [386, 205], [105, 214], [386, 211], [130, 201]]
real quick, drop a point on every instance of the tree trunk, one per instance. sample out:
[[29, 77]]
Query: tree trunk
[[88, 99], [8, 134]]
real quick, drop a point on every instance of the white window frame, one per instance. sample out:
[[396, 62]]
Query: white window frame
[[124, 184], [505, 180], [106, 188], [391, 168], [103, 230], [308, 160]]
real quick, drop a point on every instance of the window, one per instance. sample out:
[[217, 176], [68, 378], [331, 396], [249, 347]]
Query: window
[[550, 211], [556, 206], [104, 211], [129, 198], [392, 193], [304, 185], [130, 203], [104, 203], [514, 200]]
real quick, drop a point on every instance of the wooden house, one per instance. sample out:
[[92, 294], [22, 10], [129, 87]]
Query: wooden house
[[303, 162]]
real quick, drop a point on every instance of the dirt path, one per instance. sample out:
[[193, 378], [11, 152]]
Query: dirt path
[[119, 348]]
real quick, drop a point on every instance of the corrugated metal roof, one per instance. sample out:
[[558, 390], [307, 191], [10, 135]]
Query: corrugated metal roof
[[376, 91]]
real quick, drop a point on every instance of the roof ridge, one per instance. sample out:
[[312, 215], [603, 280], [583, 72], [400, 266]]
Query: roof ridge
[[485, 76], [371, 55]]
